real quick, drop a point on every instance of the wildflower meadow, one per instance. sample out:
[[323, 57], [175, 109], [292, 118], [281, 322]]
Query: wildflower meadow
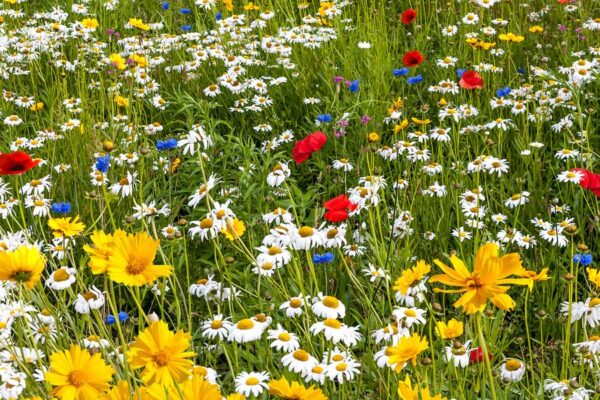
[[299, 199]]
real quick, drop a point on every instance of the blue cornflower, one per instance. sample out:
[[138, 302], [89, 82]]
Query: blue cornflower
[[401, 72], [460, 72], [414, 79], [323, 258], [219, 16], [185, 11], [102, 163], [186, 28], [61, 208], [324, 117], [354, 86], [584, 259], [123, 316], [167, 144], [503, 92], [110, 319], [165, 5], [521, 70]]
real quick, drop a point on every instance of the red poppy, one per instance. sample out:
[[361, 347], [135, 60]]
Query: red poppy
[[589, 181], [476, 355], [409, 16], [305, 147], [412, 58], [337, 208], [16, 163], [471, 80]]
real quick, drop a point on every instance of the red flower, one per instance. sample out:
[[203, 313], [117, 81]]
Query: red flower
[[409, 16], [471, 80], [412, 58], [476, 355], [305, 147], [16, 163], [589, 181], [337, 208]]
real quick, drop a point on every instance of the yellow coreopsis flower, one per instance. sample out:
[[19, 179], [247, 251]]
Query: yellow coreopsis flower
[[536, 29], [401, 126], [139, 60], [162, 354], [593, 276], [511, 37], [23, 265], [228, 5], [138, 23], [284, 389], [78, 375], [373, 137], [417, 121], [407, 392], [406, 350], [132, 260], [489, 279], [101, 250], [234, 229], [411, 276], [66, 227], [118, 61], [122, 391], [450, 330], [121, 101], [195, 388], [90, 23], [534, 276], [251, 7]]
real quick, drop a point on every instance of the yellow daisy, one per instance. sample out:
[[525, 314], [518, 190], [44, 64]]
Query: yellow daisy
[[23, 265]]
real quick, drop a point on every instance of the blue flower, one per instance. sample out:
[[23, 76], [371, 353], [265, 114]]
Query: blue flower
[[61, 208], [102, 163], [219, 16], [123, 316], [185, 11], [324, 117], [110, 319], [354, 86], [503, 92], [401, 72], [167, 144], [165, 5], [521, 70], [584, 259], [460, 72], [186, 28], [414, 79], [323, 258]]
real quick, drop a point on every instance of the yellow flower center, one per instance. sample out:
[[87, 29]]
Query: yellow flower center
[[594, 302], [341, 367], [284, 336], [90, 296], [273, 250], [206, 223], [332, 323], [135, 266], [337, 357], [331, 302], [78, 378], [512, 365], [245, 324], [261, 317], [162, 358], [217, 324], [21, 276], [267, 266], [252, 381], [61, 275], [317, 369], [410, 313], [295, 303], [301, 355], [305, 231], [332, 233]]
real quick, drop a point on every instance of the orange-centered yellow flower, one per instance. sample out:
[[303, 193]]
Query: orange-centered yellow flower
[[407, 392], [162, 354], [78, 375], [23, 265], [489, 280], [406, 350], [132, 260]]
